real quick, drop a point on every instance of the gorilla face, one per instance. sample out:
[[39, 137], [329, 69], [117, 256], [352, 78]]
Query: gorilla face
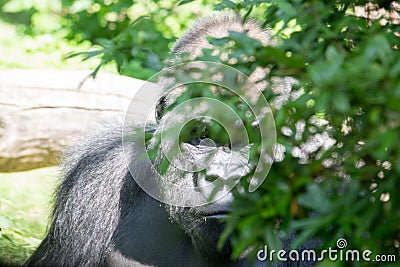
[[205, 168], [203, 174], [204, 224]]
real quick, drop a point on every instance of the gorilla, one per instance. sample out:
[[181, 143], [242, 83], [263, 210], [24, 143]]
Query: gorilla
[[101, 217]]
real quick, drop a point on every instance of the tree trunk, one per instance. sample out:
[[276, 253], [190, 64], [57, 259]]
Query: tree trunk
[[42, 111]]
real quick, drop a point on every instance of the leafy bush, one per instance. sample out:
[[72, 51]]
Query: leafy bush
[[338, 127], [136, 36]]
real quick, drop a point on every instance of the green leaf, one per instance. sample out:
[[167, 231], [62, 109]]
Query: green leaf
[[316, 199], [286, 8], [86, 55], [183, 2], [229, 4], [341, 102], [218, 41], [96, 70], [106, 43], [280, 57], [119, 60]]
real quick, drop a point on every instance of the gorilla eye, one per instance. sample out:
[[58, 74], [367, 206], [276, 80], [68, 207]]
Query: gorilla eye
[[195, 141]]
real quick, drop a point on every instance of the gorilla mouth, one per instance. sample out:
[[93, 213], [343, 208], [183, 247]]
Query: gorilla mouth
[[215, 214]]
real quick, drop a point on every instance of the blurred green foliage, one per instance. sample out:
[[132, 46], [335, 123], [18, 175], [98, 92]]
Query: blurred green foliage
[[135, 35]]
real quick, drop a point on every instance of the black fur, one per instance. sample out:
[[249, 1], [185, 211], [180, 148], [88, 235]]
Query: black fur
[[97, 209], [88, 202]]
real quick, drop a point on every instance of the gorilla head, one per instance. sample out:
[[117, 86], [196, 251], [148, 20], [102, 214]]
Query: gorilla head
[[203, 223]]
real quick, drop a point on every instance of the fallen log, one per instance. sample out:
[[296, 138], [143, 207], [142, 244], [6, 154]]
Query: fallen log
[[42, 111]]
